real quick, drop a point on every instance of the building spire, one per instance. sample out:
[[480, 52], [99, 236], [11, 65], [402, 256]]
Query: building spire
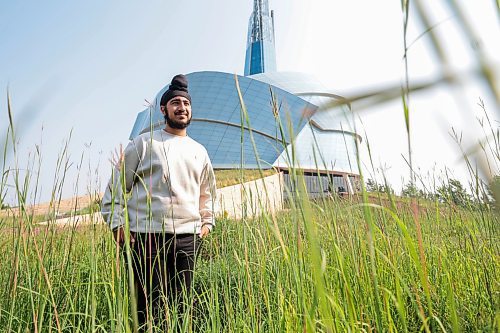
[[261, 54]]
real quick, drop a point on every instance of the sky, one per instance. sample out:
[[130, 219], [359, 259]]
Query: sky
[[79, 72]]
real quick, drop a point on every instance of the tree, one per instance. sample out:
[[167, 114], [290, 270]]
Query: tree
[[454, 193], [372, 186], [412, 191], [493, 195]]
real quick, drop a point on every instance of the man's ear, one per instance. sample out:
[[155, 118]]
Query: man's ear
[[163, 109]]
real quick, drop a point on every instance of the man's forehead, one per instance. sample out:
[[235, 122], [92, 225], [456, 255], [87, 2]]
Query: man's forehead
[[178, 99]]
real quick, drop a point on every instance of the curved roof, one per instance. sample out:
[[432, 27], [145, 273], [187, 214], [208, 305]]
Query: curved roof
[[294, 82], [330, 115]]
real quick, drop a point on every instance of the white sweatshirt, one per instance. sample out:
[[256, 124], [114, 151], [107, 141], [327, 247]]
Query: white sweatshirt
[[169, 184]]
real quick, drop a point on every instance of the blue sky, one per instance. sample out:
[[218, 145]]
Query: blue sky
[[87, 67]]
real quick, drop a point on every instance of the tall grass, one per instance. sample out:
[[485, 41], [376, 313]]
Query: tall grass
[[329, 265], [72, 279]]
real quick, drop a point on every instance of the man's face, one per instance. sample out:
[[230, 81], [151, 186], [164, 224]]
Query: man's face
[[177, 112]]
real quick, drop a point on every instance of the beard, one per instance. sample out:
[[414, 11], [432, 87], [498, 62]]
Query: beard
[[177, 124]]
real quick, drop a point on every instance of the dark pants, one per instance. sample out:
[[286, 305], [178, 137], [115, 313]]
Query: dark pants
[[163, 271]]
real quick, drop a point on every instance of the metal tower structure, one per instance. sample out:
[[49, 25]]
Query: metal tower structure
[[261, 54]]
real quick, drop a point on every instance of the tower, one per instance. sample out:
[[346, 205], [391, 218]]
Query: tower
[[260, 54]]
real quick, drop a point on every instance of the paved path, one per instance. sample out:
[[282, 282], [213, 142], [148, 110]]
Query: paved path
[[86, 219]]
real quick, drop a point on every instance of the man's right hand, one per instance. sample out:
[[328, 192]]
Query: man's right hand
[[119, 235]]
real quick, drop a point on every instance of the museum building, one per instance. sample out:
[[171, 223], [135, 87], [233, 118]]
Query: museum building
[[278, 112]]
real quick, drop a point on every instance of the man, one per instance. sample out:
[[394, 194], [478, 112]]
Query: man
[[169, 202]]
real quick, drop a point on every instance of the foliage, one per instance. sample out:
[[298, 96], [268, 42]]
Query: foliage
[[454, 193], [494, 191], [254, 277], [373, 186], [411, 190]]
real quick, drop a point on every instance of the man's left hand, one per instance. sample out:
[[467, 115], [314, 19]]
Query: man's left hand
[[204, 231]]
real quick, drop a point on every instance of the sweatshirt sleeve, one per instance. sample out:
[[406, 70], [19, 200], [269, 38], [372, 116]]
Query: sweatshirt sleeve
[[113, 201], [208, 195]]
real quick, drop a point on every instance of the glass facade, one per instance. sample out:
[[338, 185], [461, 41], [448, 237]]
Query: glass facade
[[322, 150], [319, 185], [223, 143], [324, 139], [220, 124]]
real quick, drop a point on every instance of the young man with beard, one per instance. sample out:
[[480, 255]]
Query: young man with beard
[[170, 196]]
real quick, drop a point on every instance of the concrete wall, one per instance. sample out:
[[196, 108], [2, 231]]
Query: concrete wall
[[251, 198]]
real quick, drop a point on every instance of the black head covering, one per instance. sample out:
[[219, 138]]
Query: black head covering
[[178, 87]]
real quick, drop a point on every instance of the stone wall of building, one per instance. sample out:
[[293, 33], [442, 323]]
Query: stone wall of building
[[251, 198]]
